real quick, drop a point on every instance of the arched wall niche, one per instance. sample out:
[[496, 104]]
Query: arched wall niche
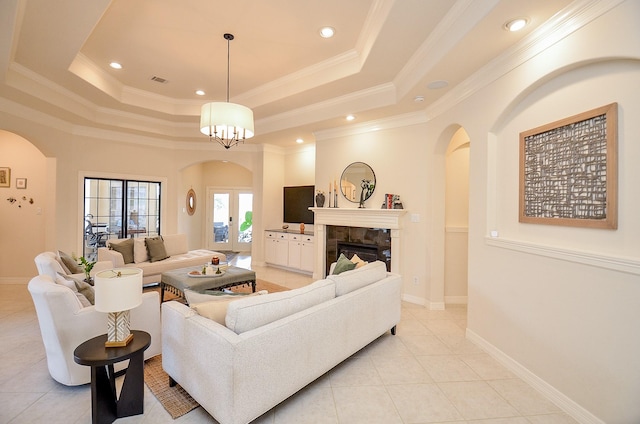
[[562, 77]]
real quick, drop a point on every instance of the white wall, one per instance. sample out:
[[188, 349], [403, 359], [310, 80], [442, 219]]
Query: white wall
[[559, 305]]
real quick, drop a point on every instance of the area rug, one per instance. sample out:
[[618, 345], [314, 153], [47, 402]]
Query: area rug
[[174, 399]]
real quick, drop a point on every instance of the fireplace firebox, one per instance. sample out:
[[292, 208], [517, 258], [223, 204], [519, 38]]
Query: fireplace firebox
[[370, 244]]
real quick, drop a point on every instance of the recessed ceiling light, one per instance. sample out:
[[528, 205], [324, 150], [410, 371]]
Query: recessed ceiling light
[[418, 99], [435, 85], [200, 92], [350, 117], [516, 24], [327, 32], [115, 65], [299, 140]]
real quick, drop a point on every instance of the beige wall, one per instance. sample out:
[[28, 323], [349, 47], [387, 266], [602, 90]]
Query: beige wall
[[456, 218], [23, 225], [557, 305]]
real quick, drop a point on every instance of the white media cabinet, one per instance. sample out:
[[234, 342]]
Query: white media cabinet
[[290, 250]]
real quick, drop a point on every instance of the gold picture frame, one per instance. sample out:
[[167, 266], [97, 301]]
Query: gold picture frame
[[5, 177], [569, 171]]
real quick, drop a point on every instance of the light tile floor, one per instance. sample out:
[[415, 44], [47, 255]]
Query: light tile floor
[[427, 373]]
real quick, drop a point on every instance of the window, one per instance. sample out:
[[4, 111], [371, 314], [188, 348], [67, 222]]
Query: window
[[119, 209]]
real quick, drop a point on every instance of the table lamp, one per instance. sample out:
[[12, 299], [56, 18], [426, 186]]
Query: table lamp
[[116, 292]]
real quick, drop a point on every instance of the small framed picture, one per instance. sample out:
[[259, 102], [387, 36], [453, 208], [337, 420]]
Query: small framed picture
[[5, 177], [21, 183]]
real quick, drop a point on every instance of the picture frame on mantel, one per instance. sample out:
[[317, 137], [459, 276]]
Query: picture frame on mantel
[[569, 171], [5, 177]]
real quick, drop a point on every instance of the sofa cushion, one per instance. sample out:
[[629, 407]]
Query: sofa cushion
[[349, 281], [253, 312], [140, 253], [175, 244], [343, 264], [69, 263], [156, 249], [125, 248], [214, 306], [71, 285]]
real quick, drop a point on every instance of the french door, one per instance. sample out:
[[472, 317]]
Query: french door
[[229, 219]]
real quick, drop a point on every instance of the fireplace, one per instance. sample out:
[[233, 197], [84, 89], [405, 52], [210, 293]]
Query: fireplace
[[370, 244], [357, 228]]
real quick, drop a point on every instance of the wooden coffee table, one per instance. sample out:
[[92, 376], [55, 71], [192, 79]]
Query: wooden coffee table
[[177, 280]]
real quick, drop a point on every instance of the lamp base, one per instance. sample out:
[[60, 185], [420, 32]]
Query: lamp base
[[118, 332], [122, 343]]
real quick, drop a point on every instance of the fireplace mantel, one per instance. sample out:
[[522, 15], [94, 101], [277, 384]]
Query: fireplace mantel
[[357, 217]]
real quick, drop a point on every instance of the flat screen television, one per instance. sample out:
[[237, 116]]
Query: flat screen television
[[297, 201]]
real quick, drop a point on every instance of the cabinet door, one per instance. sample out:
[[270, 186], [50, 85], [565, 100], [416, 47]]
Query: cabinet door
[[307, 254], [294, 254], [270, 250], [282, 250]]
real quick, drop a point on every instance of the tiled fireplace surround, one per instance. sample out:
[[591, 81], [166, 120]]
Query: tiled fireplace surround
[[359, 220]]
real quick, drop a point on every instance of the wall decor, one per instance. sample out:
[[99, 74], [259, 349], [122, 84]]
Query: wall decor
[[569, 171], [5, 177], [21, 183], [191, 202]]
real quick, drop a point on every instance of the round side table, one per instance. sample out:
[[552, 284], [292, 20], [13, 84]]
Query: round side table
[[105, 406]]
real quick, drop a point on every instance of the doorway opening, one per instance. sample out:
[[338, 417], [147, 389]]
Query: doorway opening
[[456, 218], [229, 219]]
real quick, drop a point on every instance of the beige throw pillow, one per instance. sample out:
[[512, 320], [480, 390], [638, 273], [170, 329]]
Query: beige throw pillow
[[140, 253], [215, 306], [125, 248], [359, 262], [156, 249]]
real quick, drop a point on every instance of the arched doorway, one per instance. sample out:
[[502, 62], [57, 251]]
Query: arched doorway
[[456, 218]]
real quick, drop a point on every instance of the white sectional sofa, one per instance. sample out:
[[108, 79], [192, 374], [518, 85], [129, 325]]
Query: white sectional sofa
[[275, 344], [176, 249]]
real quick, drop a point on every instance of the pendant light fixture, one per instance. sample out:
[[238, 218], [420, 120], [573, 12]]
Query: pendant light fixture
[[227, 123]]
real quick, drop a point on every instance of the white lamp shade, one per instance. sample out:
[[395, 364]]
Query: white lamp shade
[[115, 294], [224, 119]]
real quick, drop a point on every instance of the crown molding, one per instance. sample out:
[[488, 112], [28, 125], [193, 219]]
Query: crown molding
[[574, 17], [408, 119]]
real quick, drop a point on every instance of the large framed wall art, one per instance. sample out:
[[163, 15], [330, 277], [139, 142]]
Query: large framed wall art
[[569, 171]]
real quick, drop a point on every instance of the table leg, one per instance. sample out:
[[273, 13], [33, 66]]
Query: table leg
[[253, 286], [103, 397], [131, 400], [161, 292]]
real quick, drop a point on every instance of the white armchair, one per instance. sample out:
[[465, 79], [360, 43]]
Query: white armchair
[[65, 324], [48, 264]]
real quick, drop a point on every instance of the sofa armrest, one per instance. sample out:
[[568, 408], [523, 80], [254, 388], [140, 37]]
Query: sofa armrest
[[146, 317], [106, 254]]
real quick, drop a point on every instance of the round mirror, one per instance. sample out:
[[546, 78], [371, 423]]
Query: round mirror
[[357, 182], [191, 202]]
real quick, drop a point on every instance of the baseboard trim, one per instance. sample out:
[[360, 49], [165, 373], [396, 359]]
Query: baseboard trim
[[554, 395], [455, 300], [414, 299]]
